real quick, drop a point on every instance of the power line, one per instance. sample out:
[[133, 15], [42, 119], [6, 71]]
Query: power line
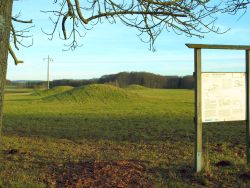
[[49, 60]]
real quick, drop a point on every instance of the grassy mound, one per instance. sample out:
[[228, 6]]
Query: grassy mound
[[93, 92], [53, 91], [136, 87]]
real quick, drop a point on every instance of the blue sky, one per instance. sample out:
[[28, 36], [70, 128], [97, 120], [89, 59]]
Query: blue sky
[[114, 48]]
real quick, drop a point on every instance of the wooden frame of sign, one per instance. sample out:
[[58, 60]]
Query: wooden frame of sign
[[212, 101]]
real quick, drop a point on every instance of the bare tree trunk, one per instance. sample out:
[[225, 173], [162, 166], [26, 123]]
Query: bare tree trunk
[[5, 25]]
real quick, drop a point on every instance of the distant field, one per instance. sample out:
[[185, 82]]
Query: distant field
[[103, 136], [14, 90]]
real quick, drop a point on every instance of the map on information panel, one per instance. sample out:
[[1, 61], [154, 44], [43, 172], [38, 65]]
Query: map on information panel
[[223, 97]]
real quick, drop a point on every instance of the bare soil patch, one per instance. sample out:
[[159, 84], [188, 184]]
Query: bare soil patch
[[129, 174]]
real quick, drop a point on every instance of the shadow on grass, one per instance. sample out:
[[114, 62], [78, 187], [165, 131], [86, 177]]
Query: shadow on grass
[[131, 128]]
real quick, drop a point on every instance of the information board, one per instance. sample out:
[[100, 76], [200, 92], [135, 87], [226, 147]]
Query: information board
[[223, 97]]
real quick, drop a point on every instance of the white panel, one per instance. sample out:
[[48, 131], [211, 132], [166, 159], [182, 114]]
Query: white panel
[[223, 96]]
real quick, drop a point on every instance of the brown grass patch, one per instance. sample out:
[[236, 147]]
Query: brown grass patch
[[129, 174]]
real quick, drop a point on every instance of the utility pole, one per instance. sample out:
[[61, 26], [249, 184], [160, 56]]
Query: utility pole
[[49, 60]]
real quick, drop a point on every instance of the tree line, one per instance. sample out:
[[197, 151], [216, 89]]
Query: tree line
[[122, 79]]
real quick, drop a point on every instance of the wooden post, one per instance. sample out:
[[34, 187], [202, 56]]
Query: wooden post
[[198, 121], [248, 105]]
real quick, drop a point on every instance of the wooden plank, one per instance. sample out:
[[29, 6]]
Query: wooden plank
[[218, 46], [248, 105], [198, 122]]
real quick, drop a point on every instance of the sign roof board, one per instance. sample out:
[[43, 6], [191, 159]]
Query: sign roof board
[[223, 97], [218, 46]]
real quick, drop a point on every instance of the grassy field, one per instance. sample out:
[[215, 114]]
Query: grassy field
[[102, 136]]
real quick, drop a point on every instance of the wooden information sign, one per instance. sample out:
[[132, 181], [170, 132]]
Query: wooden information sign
[[223, 97], [220, 97]]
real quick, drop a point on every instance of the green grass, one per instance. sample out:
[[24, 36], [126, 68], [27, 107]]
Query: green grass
[[154, 126], [53, 91], [17, 91], [136, 87]]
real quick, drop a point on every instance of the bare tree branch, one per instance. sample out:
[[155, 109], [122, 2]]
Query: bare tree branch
[[73, 18], [14, 56], [149, 17], [18, 35], [233, 6]]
